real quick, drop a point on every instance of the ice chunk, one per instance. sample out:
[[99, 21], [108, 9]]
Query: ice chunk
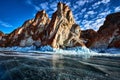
[[46, 48]]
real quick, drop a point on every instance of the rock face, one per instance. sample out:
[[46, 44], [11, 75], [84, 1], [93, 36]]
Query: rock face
[[109, 33], [88, 36], [2, 39], [1, 33], [30, 32], [60, 32]]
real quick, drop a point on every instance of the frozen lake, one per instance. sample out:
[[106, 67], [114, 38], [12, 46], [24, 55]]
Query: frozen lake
[[16, 65]]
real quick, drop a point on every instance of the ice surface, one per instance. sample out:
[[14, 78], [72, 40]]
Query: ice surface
[[47, 63]]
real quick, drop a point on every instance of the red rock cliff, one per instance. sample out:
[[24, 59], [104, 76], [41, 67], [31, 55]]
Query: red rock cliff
[[109, 33]]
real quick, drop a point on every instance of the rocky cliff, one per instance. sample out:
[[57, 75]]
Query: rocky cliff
[[59, 32], [88, 36], [2, 38], [30, 32], [62, 31], [109, 33]]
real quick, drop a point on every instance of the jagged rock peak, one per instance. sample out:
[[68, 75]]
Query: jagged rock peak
[[62, 7], [42, 17], [59, 32], [63, 10], [62, 30], [41, 14], [30, 31]]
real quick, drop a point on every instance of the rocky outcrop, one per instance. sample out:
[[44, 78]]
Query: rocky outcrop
[[88, 36], [2, 38], [30, 32], [60, 32], [109, 33], [1, 35]]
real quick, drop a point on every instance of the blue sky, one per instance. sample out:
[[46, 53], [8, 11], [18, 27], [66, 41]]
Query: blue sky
[[87, 13]]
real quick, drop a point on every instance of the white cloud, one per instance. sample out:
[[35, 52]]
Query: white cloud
[[96, 5], [105, 1], [86, 16], [77, 22], [81, 2], [91, 12], [117, 9], [76, 16], [44, 5], [53, 6], [33, 5], [83, 10], [75, 6], [92, 24], [97, 23], [68, 3], [5, 24], [105, 13]]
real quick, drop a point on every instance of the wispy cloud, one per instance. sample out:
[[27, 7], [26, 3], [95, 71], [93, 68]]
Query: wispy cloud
[[105, 1], [5, 24], [83, 10], [117, 9], [88, 17], [53, 6], [103, 14], [94, 24], [91, 12], [33, 5], [44, 5], [96, 5], [81, 2]]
